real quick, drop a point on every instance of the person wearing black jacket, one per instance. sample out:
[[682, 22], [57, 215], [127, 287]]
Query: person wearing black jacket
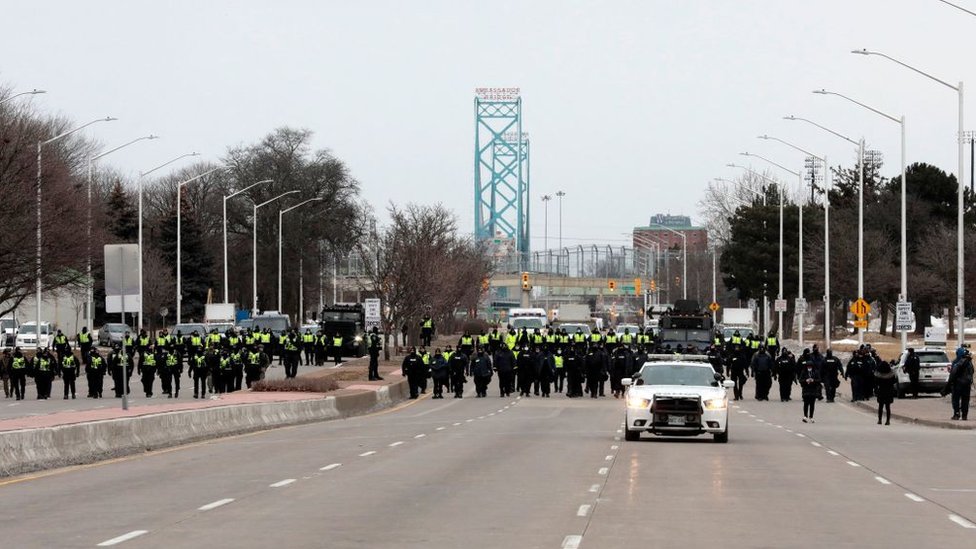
[[459, 365], [762, 371], [414, 370], [480, 370], [832, 369], [525, 366], [596, 370], [784, 371], [620, 366], [913, 367], [810, 383], [504, 364], [739, 373], [960, 384], [573, 364], [545, 371], [884, 389], [440, 373]]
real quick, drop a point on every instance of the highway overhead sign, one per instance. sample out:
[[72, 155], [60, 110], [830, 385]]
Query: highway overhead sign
[[860, 308]]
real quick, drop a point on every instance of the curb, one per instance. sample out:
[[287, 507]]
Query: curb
[[30, 450], [944, 424]]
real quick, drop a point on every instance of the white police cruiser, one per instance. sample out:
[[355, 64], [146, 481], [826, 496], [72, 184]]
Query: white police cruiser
[[677, 395]]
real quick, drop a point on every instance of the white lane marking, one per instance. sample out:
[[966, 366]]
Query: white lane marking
[[603, 470], [215, 504], [750, 415], [513, 403], [395, 444], [595, 488], [126, 537], [14, 404], [367, 454], [502, 410], [743, 412], [583, 510], [571, 542], [789, 430], [760, 420], [468, 420], [914, 498], [614, 447], [964, 490], [421, 435], [833, 453], [735, 406], [456, 424], [481, 417], [620, 431], [853, 464], [961, 521], [816, 444], [330, 467], [491, 414], [440, 428], [608, 458], [882, 480], [281, 483], [801, 435]]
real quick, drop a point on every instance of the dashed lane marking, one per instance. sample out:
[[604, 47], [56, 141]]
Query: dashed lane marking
[[456, 424], [595, 488], [608, 458], [281, 483], [853, 464], [481, 417], [491, 414], [614, 447], [816, 444], [801, 435], [571, 542], [833, 453], [216, 504], [882, 480], [616, 439], [583, 510], [603, 470], [421, 435], [915, 498], [961, 521], [440, 428], [395, 444], [126, 537], [367, 454], [468, 420], [330, 467], [620, 431]]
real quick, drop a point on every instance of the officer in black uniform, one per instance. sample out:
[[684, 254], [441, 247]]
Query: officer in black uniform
[[95, 372], [70, 370], [413, 369], [504, 363], [373, 347]]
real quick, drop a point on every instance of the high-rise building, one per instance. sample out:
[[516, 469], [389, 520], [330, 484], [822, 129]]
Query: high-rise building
[[657, 231]]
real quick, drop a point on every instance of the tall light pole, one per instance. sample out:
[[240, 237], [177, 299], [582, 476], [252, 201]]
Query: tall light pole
[[684, 258], [823, 160], [860, 207], [960, 246], [91, 177], [254, 250], [281, 214], [38, 272], [32, 92], [179, 239], [226, 198], [142, 178], [904, 219], [779, 293], [560, 195]]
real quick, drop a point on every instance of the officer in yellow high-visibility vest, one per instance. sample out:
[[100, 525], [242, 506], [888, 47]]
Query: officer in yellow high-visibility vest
[[560, 370], [426, 330], [337, 348], [308, 345]]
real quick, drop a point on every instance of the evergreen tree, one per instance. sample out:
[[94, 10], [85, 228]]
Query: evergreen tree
[[122, 214], [198, 265]]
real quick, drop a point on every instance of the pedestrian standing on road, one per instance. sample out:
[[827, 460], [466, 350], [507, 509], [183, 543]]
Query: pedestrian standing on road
[[413, 368], [559, 362], [619, 366], [61, 345], [480, 370], [95, 372], [573, 364], [831, 371], [884, 390], [44, 371], [960, 384], [252, 367], [147, 372], [164, 369], [853, 374], [70, 370], [913, 367], [308, 346], [785, 373], [525, 368], [762, 371], [18, 373], [459, 366], [595, 370], [440, 373], [198, 371], [504, 363], [84, 341], [810, 383], [739, 373], [373, 347], [5, 363], [336, 348], [545, 371]]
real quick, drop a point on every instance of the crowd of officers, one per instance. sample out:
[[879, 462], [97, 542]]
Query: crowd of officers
[[216, 363]]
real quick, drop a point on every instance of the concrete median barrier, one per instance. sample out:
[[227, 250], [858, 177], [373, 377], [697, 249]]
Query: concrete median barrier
[[27, 450]]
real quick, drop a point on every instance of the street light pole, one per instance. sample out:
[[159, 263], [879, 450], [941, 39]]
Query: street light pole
[[32, 92], [91, 176], [960, 247], [226, 198], [560, 195], [179, 239], [142, 177], [281, 214], [38, 271], [254, 250]]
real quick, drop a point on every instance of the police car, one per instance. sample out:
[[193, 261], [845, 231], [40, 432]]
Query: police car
[[677, 396]]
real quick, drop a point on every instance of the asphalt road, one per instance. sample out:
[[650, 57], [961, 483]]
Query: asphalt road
[[30, 406], [546, 473]]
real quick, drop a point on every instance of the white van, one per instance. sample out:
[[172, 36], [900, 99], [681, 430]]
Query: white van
[[528, 318]]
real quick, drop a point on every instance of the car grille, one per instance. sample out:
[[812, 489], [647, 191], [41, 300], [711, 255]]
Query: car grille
[[676, 406]]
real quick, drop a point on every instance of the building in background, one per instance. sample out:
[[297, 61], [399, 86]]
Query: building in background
[[657, 232]]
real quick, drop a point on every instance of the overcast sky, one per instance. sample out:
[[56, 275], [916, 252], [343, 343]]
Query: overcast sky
[[632, 106]]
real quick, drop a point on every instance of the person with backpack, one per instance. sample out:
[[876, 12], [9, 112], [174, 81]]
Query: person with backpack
[[960, 384]]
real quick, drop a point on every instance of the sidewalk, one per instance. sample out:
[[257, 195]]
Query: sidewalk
[[928, 409]]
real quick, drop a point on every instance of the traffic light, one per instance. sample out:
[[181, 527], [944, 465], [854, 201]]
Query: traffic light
[[637, 286], [525, 281], [485, 284], [612, 284], [653, 285]]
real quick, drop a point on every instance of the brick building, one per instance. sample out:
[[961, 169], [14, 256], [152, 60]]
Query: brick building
[[657, 231]]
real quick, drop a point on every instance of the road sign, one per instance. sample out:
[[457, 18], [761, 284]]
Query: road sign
[[713, 307], [751, 304], [936, 335], [860, 308], [779, 305], [122, 278], [903, 316], [800, 305], [371, 310], [861, 324]]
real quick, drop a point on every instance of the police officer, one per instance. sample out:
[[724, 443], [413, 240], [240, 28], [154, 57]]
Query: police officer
[[832, 368], [573, 364], [95, 372], [308, 345], [164, 368], [373, 347], [84, 341], [913, 368], [5, 361], [559, 364], [459, 369], [198, 369], [70, 370], [595, 369], [739, 373], [772, 343], [426, 330], [784, 371], [175, 365], [18, 373], [525, 370], [620, 365], [147, 372], [43, 374], [61, 345], [413, 369], [544, 371], [256, 360], [337, 348], [504, 363], [466, 343], [480, 370], [225, 378], [762, 371]]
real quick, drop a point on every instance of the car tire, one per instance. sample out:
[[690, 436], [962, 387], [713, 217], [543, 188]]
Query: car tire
[[631, 436], [723, 437]]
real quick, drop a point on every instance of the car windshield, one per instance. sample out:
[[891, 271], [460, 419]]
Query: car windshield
[[275, 324], [187, 329], [115, 328], [573, 328], [340, 316], [29, 329], [676, 374], [931, 358], [529, 322], [630, 328]]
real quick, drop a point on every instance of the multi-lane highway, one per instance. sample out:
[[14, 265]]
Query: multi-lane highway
[[546, 473]]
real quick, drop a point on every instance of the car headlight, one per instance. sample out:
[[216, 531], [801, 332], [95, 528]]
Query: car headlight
[[359, 338], [716, 403], [638, 402]]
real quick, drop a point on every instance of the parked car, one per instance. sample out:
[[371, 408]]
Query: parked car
[[27, 335], [933, 374], [187, 328], [8, 331], [112, 333]]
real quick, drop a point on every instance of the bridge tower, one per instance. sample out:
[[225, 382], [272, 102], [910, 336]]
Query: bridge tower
[[501, 170]]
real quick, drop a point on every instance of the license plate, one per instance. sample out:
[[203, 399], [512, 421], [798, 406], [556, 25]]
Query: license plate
[[676, 420]]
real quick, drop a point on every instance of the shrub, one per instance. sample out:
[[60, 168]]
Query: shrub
[[299, 384]]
